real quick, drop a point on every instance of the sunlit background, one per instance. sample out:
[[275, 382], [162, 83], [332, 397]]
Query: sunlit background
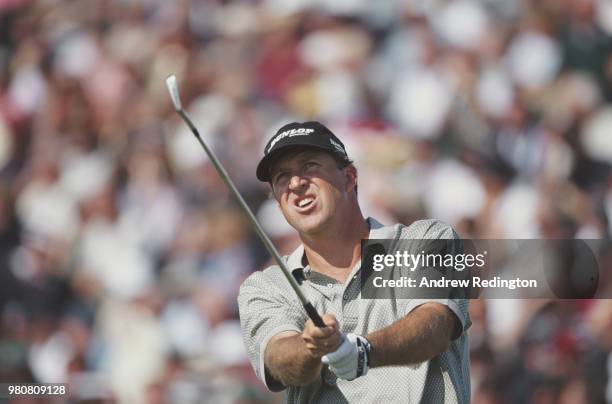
[[121, 252]]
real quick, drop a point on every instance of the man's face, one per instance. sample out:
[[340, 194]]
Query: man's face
[[310, 188]]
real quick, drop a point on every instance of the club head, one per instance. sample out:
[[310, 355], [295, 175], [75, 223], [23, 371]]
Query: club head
[[172, 85]]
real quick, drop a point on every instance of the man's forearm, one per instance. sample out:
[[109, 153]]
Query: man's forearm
[[418, 337], [288, 361]]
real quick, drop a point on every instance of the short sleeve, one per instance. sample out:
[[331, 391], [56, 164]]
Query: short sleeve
[[265, 311]]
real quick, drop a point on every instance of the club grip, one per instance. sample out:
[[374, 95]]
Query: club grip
[[314, 316]]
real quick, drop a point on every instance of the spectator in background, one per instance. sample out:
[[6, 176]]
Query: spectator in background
[[116, 235]]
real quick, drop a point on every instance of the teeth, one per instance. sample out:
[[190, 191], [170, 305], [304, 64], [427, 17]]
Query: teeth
[[304, 202]]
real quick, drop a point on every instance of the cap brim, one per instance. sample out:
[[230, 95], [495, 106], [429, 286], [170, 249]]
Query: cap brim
[[263, 168]]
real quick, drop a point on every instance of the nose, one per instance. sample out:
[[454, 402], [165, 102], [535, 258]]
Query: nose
[[296, 182]]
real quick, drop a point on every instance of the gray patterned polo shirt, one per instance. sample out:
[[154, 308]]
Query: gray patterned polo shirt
[[269, 306]]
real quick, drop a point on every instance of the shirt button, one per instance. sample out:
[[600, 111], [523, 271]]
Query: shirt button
[[346, 296], [329, 285]]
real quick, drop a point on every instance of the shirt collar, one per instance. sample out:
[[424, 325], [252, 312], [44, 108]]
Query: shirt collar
[[294, 262]]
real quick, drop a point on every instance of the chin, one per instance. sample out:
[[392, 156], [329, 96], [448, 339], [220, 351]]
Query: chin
[[310, 225]]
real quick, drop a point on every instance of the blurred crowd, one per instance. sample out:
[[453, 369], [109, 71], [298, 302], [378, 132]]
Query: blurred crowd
[[121, 251]]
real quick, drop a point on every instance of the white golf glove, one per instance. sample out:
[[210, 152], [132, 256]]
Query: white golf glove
[[351, 359]]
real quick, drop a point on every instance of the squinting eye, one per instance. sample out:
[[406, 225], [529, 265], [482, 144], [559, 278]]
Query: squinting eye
[[279, 178], [310, 164]]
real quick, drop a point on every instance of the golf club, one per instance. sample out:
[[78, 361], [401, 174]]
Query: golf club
[[172, 84]]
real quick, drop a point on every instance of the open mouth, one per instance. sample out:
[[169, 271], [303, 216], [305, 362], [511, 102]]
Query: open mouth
[[304, 203]]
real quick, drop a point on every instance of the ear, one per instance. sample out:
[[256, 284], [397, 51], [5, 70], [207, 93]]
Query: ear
[[351, 176]]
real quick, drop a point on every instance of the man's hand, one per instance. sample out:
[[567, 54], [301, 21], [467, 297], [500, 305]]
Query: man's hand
[[320, 341], [351, 360], [294, 359]]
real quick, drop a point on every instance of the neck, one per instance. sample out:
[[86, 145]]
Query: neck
[[335, 253]]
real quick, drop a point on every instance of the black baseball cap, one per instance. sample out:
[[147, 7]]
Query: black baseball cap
[[309, 134]]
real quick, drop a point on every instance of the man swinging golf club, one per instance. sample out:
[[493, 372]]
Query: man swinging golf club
[[370, 350]]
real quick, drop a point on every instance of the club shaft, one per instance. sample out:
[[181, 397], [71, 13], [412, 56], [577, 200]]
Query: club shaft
[[312, 313]]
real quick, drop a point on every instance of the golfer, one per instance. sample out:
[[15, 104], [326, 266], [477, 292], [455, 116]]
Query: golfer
[[371, 350]]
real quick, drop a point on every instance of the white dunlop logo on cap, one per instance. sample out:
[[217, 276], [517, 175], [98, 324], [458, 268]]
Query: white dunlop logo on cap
[[337, 146], [289, 133]]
